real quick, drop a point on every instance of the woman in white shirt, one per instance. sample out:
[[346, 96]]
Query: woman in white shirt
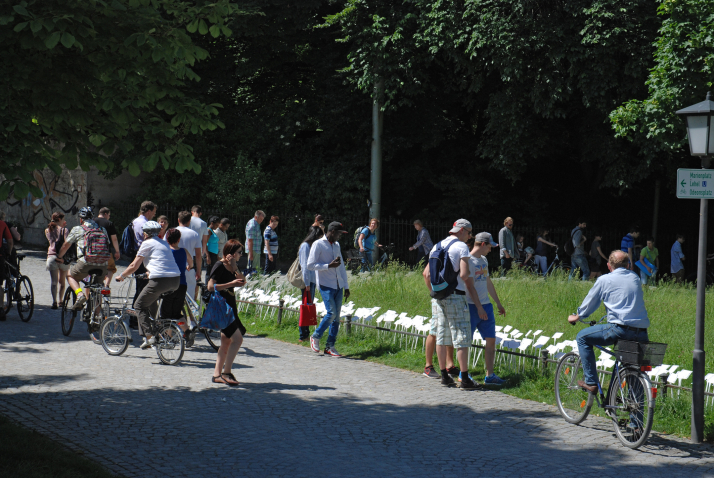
[[164, 276]]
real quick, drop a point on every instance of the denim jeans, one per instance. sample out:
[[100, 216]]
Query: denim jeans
[[367, 261], [506, 264], [603, 334], [333, 303], [645, 278], [305, 330], [542, 262], [580, 262]]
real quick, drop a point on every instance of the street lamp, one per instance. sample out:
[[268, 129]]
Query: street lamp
[[700, 131]]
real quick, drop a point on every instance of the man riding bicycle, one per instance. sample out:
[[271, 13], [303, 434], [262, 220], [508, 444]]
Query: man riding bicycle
[[621, 292], [92, 253]]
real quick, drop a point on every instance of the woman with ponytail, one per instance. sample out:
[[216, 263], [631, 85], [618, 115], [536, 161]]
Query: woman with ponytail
[[56, 233]]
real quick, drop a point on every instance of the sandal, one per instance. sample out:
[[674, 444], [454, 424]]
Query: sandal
[[54, 306], [218, 379], [231, 379]]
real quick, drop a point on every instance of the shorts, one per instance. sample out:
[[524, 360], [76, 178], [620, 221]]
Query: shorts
[[81, 269], [487, 328], [53, 265], [111, 265], [452, 321]]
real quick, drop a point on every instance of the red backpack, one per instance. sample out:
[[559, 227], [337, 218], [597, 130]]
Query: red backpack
[[96, 245]]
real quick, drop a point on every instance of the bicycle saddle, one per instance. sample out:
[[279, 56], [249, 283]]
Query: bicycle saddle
[[95, 272], [20, 257], [166, 294]]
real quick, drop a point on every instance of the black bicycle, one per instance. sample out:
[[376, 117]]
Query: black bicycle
[[18, 289], [94, 311], [630, 397]]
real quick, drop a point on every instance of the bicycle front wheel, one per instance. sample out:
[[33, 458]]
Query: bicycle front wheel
[[213, 337], [632, 407], [574, 403], [170, 344], [114, 336], [68, 315], [25, 297]]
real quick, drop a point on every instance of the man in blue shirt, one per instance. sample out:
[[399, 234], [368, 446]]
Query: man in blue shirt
[[677, 267], [367, 240], [621, 292], [627, 245]]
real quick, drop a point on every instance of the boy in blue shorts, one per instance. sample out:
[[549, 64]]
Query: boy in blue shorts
[[482, 317]]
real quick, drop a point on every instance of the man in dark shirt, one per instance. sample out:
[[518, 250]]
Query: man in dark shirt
[[103, 221]]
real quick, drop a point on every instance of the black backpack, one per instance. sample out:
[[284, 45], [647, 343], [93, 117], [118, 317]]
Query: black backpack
[[569, 247]]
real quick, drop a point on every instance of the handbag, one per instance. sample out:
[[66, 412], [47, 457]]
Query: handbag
[[308, 312], [218, 314], [295, 275]]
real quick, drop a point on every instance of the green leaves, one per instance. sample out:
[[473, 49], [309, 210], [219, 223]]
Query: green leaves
[[67, 39], [52, 40], [65, 105]]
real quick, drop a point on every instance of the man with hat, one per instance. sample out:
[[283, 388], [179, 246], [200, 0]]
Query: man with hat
[[481, 309], [450, 322], [326, 258]]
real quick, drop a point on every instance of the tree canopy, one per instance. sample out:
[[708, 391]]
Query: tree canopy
[[87, 79]]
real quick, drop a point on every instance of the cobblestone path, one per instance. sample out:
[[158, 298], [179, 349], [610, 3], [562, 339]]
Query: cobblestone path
[[295, 414]]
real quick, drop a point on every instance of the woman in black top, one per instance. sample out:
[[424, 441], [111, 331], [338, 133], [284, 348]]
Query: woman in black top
[[224, 277]]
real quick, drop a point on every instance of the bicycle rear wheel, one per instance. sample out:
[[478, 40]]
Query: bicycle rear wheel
[[632, 407], [169, 344], [114, 336], [574, 403], [68, 315], [25, 297], [213, 337]]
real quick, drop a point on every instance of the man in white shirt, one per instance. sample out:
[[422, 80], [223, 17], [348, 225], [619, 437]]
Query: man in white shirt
[[450, 323], [191, 241], [201, 228], [326, 258]]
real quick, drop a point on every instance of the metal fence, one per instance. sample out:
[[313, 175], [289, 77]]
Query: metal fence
[[401, 232]]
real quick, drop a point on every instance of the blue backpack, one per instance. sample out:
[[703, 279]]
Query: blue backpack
[[127, 246], [442, 275]]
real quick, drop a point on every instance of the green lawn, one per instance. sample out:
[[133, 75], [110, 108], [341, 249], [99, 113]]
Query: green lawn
[[28, 454], [531, 303]]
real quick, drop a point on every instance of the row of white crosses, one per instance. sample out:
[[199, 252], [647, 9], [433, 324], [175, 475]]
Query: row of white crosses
[[507, 337]]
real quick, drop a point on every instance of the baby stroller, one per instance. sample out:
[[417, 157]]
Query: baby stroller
[[527, 263]]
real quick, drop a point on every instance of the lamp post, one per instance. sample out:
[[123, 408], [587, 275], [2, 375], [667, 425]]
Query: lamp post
[[700, 131]]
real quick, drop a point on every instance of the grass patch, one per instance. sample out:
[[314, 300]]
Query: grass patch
[[531, 303], [29, 454]]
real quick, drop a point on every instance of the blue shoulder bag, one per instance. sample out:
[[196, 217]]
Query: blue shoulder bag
[[218, 314]]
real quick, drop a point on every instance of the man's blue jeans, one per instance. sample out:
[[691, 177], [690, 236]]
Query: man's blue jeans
[[603, 334], [367, 260], [580, 262], [333, 303]]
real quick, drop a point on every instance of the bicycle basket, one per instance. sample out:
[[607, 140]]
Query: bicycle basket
[[640, 353]]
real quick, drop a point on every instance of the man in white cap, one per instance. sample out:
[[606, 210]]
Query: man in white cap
[[450, 322]]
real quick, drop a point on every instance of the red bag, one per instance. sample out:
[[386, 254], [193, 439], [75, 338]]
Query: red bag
[[308, 312]]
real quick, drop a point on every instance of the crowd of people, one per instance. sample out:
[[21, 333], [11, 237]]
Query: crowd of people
[[168, 263]]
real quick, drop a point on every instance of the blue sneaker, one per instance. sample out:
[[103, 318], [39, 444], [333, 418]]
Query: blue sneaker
[[470, 377], [494, 379]]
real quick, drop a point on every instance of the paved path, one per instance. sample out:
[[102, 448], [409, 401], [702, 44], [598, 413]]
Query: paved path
[[295, 414]]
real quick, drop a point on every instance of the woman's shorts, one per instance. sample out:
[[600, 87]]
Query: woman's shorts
[[232, 327], [53, 265]]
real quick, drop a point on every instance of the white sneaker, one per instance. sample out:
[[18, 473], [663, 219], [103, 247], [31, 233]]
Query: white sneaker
[[332, 352], [315, 344], [148, 343], [81, 300]]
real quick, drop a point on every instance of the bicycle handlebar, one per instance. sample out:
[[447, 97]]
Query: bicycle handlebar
[[589, 322]]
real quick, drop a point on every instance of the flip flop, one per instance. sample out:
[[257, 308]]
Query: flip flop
[[231, 379], [218, 379]]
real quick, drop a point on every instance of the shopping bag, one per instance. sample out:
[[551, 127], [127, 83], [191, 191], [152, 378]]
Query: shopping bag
[[218, 314], [308, 312]]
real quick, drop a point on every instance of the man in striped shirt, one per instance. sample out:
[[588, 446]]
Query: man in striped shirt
[[270, 238]]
